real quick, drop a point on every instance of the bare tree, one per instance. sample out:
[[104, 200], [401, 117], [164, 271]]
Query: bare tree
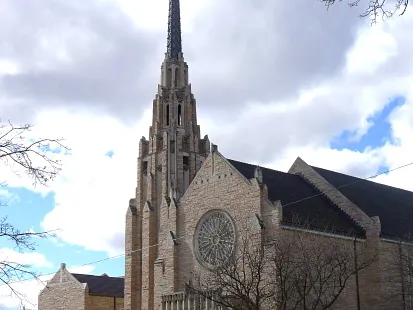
[[34, 157], [242, 282], [376, 8], [298, 270], [398, 273], [312, 271]]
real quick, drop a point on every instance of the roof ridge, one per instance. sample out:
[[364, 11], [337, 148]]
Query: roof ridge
[[368, 179], [94, 275], [262, 167]]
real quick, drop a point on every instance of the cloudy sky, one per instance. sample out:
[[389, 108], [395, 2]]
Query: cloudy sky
[[273, 80]]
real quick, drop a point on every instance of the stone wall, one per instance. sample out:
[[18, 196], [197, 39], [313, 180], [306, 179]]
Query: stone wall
[[103, 303], [216, 186], [63, 292], [391, 276]]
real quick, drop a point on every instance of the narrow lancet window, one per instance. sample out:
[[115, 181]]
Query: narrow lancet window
[[167, 115], [145, 168], [179, 115], [185, 162]]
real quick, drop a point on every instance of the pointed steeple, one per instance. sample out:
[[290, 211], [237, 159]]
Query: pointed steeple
[[174, 44]]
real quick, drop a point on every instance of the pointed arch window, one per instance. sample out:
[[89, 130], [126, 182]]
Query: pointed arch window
[[167, 115], [179, 115]]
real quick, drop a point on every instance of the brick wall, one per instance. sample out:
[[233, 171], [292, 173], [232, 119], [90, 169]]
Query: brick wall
[[103, 303]]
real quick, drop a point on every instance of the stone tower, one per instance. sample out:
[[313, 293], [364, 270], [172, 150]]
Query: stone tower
[[167, 163]]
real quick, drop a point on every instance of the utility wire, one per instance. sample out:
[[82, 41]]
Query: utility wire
[[188, 235]]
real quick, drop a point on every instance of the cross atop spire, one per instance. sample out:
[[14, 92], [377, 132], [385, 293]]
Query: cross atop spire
[[174, 44]]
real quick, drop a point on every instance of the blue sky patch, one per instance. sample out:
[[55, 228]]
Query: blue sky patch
[[25, 210], [383, 170], [377, 134], [110, 153]]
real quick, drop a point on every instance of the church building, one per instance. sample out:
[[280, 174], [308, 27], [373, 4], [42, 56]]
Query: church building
[[187, 191], [192, 205]]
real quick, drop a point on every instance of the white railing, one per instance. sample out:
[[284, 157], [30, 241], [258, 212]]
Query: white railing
[[187, 301]]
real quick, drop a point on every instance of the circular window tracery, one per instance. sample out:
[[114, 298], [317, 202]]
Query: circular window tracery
[[214, 239]]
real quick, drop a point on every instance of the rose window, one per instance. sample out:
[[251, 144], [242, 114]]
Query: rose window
[[214, 240]]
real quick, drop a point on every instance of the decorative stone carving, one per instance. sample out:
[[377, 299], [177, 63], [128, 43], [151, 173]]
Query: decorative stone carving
[[214, 239]]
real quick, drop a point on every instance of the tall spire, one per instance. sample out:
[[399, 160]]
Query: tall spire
[[174, 45]]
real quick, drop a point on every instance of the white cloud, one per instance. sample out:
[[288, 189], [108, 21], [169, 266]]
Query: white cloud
[[92, 193], [377, 69], [27, 290], [7, 197], [33, 259], [85, 269]]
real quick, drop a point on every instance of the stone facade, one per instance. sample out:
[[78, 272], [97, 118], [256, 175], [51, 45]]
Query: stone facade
[[65, 292], [218, 185], [181, 178], [62, 292]]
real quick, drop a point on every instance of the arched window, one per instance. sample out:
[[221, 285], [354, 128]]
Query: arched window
[[167, 115], [179, 115]]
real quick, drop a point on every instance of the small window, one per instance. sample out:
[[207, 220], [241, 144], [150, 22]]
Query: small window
[[167, 115], [179, 115], [186, 161], [145, 168]]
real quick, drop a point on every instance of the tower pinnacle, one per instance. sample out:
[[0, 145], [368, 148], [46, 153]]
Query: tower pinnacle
[[174, 44]]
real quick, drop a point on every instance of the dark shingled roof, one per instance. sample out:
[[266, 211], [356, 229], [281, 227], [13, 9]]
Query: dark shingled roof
[[293, 192], [394, 206], [102, 285]]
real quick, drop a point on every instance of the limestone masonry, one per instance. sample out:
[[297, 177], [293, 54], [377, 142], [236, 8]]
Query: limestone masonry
[[186, 189]]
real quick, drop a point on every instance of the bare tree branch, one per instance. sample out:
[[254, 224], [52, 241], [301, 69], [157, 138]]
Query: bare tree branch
[[35, 158], [398, 271], [376, 8], [298, 270]]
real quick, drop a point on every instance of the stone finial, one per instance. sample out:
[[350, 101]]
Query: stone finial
[[258, 174], [62, 266], [132, 202]]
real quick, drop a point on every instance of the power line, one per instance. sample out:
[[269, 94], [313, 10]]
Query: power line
[[188, 235]]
